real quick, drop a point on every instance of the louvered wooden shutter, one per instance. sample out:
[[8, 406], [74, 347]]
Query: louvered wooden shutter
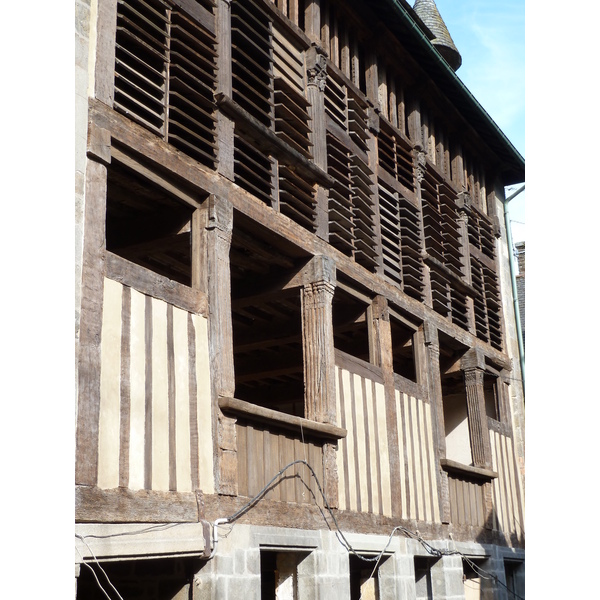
[[165, 72], [351, 199], [443, 243], [292, 125]]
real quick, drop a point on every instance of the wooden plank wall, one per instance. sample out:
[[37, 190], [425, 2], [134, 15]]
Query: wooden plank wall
[[155, 425], [467, 501], [507, 490], [263, 452], [364, 455], [417, 459]]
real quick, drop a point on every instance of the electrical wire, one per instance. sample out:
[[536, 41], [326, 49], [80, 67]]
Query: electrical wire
[[343, 540], [338, 531], [82, 538]]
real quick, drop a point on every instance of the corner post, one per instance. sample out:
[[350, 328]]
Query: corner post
[[434, 382], [218, 223]]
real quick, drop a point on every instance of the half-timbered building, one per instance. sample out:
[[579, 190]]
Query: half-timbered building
[[297, 365]]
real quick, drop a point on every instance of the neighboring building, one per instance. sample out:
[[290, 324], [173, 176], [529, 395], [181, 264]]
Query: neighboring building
[[520, 277], [295, 333]]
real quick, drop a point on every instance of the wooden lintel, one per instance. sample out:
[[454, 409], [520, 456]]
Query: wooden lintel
[[152, 284], [119, 505]]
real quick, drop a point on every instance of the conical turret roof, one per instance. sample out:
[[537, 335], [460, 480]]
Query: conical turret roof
[[428, 12]]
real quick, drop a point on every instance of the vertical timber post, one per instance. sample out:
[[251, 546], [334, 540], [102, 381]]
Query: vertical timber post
[[218, 220], [432, 345], [473, 367], [316, 72], [319, 359]]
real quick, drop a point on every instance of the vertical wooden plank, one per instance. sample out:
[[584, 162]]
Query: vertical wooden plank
[[109, 418], [417, 453], [271, 462], [342, 453], [425, 461], [172, 413], [360, 447], [302, 481], [432, 465], [351, 439], [182, 401], [453, 500], [508, 482], [500, 485], [125, 391], [160, 398], [412, 493], [193, 404], [148, 331], [137, 392], [383, 450], [290, 478], [495, 484], [402, 462], [518, 492], [374, 447], [256, 466], [204, 417], [369, 454], [242, 445]]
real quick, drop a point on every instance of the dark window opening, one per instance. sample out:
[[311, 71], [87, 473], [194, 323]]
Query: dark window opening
[[350, 326], [490, 389], [514, 572], [423, 582], [403, 349], [364, 578], [279, 574], [476, 586], [156, 579], [267, 320], [147, 225]]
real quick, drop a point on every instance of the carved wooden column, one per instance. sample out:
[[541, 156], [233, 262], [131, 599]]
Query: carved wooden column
[[316, 70], [473, 366], [214, 275], [434, 385], [319, 359], [317, 341]]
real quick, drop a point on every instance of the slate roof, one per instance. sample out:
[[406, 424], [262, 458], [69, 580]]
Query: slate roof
[[429, 14]]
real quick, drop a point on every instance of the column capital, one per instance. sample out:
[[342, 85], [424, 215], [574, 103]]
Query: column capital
[[316, 67]]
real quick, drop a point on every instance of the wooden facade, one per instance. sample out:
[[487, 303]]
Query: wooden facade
[[292, 251]]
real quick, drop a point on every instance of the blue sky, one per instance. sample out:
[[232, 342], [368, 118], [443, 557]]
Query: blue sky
[[490, 35]]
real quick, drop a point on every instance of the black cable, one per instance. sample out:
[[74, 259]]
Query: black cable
[[342, 538]]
